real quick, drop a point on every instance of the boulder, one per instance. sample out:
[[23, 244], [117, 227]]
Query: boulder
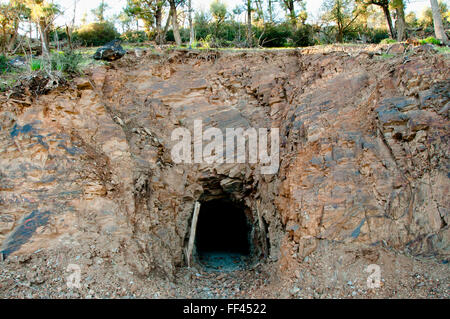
[[18, 62], [425, 48], [397, 48], [111, 51]]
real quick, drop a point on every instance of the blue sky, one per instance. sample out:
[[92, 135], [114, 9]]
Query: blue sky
[[117, 5]]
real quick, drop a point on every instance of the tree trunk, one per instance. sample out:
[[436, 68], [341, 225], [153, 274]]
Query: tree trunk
[[401, 23], [158, 21], [292, 16], [249, 24], [438, 25], [43, 32], [340, 35], [166, 28], [191, 26], [176, 31], [13, 38], [69, 38], [387, 14], [271, 10]]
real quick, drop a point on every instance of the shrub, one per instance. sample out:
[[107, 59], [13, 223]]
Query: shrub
[[376, 35], [67, 62], [430, 40], [273, 35], [61, 34], [169, 36], [3, 64], [134, 36], [388, 41], [96, 34], [304, 36], [35, 65]]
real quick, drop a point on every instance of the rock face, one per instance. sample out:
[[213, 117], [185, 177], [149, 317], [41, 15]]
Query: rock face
[[397, 48], [111, 51], [364, 157]]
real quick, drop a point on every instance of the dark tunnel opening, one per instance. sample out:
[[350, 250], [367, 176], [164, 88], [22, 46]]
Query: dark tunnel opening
[[223, 233]]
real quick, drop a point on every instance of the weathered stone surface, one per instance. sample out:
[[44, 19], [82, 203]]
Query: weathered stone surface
[[364, 155], [396, 48]]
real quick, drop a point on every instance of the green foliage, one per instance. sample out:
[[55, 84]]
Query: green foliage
[[65, 62], [303, 36], [134, 36], [3, 64], [342, 15], [218, 10], [35, 65], [275, 35], [58, 33], [96, 34], [377, 36], [99, 12], [430, 40], [388, 41]]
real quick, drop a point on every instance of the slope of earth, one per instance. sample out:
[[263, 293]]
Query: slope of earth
[[87, 176]]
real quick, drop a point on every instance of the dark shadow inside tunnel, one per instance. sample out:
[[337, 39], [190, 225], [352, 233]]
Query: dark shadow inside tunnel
[[222, 237]]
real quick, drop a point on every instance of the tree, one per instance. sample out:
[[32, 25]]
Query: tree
[[43, 14], [400, 25], [426, 18], [219, 11], [191, 25], [343, 13], [84, 18], [237, 11], [125, 21], [249, 24], [151, 12], [173, 9], [11, 14], [438, 25], [411, 19], [99, 12], [270, 4], [289, 5], [384, 4]]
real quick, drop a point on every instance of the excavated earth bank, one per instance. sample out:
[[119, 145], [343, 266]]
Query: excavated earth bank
[[87, 178]]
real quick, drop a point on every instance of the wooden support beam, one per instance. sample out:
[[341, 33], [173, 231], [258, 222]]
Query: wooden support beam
[[192, 235]]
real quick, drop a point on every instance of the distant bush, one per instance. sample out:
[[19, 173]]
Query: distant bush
[[377, 35], [388, 41], [59, 34], [274, 35], [96, 34], [134, 36], [303, 36], [169, 36], [430, 40], [3, 64]]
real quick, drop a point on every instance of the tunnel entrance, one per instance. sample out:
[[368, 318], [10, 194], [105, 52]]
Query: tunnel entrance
[[223, 236]]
